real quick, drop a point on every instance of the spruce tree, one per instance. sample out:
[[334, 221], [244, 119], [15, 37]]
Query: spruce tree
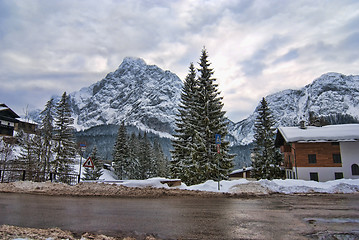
[[200, 119], [211, 121], [181, 165], [133, 172], [96, 172], [146, 158], [47, 132], [64, 137], [161, 162], [266, 158], [121, 153]]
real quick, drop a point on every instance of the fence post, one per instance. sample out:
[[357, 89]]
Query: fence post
[[23, 174]]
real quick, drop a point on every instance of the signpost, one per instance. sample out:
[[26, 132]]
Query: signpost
[[218, 143], [82, 150]]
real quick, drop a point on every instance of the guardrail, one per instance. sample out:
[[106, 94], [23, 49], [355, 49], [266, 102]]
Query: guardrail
[[14, 175]]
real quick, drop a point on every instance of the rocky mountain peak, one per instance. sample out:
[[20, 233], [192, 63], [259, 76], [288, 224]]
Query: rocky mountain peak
[[139, 94], [329, 95]]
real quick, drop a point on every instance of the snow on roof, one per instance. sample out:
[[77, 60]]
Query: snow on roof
[[242, 170], [331, 133], [3, 107]]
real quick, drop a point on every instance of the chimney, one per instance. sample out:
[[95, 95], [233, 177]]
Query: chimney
[[302, 125]]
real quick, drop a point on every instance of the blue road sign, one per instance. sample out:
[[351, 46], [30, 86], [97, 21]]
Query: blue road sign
[[218, 138]]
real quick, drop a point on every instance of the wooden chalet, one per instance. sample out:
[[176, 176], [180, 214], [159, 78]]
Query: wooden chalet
[[320, 153], [8, 119]]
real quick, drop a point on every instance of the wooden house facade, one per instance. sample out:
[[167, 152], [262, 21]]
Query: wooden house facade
[[8, 120], [320, 153]]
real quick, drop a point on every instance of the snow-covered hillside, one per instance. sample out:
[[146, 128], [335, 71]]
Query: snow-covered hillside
[[142, 95], [329, 95]]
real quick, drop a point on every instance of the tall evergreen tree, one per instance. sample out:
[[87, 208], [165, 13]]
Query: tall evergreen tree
[[64, 137], [161, 162], [266, 158], [146, 158], [47, 132], [133, 170], [121, 153], [96, 172], [200, 160], [212, 121], [181, 165]]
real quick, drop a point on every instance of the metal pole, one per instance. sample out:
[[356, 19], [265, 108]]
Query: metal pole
[[219, 176], [80, 168]]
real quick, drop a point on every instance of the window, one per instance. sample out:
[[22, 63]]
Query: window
[[355, 169], [337, 158], [314, 176], [335, 143], [338, 175], [312, 158]]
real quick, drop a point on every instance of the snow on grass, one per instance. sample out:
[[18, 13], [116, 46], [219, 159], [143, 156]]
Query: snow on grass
[[288, 186]]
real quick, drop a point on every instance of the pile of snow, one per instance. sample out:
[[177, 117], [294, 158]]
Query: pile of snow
[[288, 186]]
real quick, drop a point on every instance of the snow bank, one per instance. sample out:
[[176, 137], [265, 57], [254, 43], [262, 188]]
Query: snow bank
[[288, 186]]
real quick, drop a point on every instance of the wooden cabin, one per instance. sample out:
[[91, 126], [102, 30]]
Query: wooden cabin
[[8, 119], [320, 153]]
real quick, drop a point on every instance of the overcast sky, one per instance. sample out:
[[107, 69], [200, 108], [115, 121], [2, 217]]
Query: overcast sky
[[255, 47]]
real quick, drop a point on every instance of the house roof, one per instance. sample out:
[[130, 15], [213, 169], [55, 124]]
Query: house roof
[[5, 111], [330, 133]]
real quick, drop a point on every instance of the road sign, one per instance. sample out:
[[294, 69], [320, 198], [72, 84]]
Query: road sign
[[89, 163], [82, 147], [218, 138]]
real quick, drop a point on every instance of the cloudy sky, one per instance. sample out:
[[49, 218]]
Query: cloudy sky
[[256, 47]]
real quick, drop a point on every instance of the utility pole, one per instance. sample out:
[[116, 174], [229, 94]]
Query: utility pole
[[218, 143]]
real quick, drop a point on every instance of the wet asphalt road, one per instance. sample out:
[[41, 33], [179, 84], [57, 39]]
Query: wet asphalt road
[[272, 217]]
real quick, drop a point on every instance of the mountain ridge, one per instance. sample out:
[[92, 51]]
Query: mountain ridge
[[330, 94], [139, 94]]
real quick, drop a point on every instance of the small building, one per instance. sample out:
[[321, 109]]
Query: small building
[[241, 173], [26, 126], [320, 153], [8, 119]]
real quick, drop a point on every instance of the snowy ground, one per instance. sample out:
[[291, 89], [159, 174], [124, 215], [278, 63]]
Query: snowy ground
[[288, 186]]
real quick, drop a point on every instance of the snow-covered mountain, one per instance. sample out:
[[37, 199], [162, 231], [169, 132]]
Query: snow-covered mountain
[[142, 95], [330, 95]]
